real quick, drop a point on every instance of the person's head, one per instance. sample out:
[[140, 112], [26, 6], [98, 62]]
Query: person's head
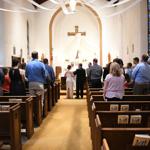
[[135, 60], [80, 65], [15, 62], [90, 64], [95, 61], [35, 55], [119, 61], [129, 65], [144, 58], [45, 61], [115, 69], [5, 71], [69, 67]]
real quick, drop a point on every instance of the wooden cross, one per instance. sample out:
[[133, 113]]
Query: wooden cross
[[76, 31]]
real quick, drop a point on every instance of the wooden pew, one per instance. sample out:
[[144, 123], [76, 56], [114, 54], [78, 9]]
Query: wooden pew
[[54, 95], [56, 92], [122, 105], [26, 109], [119, 138], [109, 106], [125, 98], [101, 89], [58, 89], [37, 106], [45, 107], [110, 118], [49, 96], [10, 126]]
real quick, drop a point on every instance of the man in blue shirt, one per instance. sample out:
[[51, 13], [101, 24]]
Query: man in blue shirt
[[36, 74], [141, 77], [50, 72]]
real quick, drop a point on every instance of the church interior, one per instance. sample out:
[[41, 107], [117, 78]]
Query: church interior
[[71, 33]]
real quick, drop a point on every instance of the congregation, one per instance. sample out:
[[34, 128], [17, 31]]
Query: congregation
[[34, 75], [114, 78]]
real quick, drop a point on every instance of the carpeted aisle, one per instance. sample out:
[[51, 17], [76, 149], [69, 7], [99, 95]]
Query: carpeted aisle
[[65, 128]]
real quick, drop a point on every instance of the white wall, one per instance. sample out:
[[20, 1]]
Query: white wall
[[65, 47], [125, 35], [2, 37], [13, 32], [119, 33]]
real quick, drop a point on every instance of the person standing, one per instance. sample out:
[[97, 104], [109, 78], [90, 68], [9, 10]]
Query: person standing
[[69, 82], [106, 70], [80, 80], [135, 61], [17, 84], [36, 74], [6, 83], [141, 77], [114, 83], [50, 71], [129, 70], [95, 74], [88, 72]]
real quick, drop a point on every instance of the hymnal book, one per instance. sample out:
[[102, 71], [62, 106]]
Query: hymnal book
[[15, 100], [137, 109], [4, 107], [135, 119], [124, 108], [141, 140], [123, 119], [114, 107]]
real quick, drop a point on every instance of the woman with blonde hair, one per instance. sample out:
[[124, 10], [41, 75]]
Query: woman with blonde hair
[[114, 83]]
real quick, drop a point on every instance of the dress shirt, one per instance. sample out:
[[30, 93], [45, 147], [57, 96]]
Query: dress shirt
[[50, 72], [35, 71], [141, 73]]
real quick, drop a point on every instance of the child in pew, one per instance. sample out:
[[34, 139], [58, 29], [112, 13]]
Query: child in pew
[[114, 83]]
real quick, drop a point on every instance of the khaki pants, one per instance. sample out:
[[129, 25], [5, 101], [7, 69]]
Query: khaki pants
[[35, 87]]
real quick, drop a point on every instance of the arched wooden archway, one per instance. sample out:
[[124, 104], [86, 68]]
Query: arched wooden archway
[[51, 25]]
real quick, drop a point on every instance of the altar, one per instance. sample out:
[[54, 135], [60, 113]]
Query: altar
[[78, 47]]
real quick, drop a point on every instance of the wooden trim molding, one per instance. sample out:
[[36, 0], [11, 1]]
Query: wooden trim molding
[[51, 31]]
